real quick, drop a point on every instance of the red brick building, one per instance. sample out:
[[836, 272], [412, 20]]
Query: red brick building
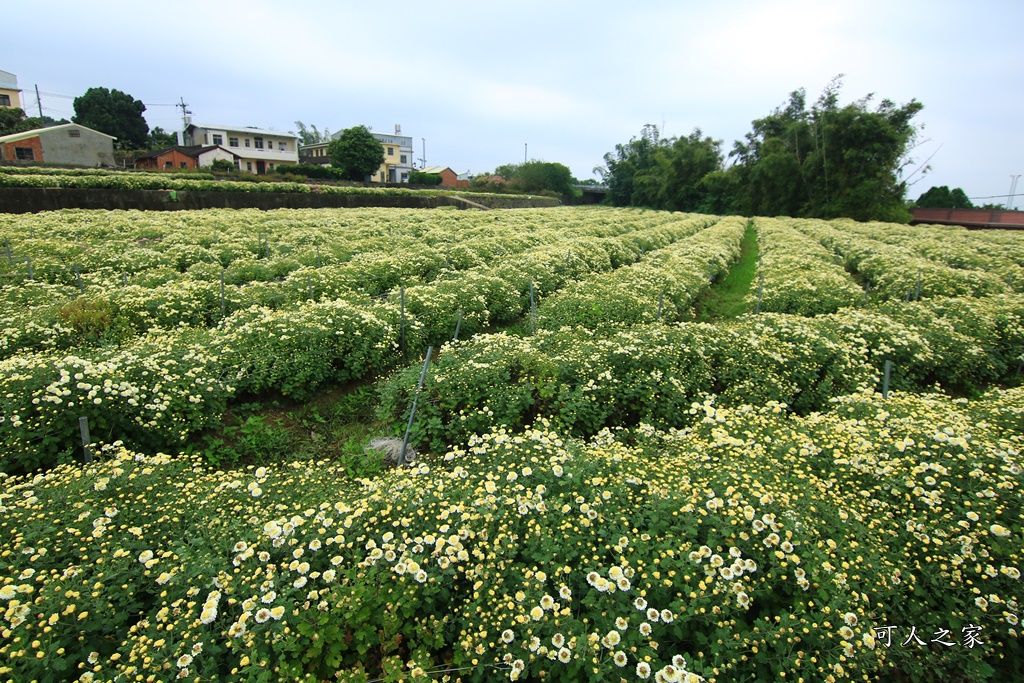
[[449, 178], [184, 157]]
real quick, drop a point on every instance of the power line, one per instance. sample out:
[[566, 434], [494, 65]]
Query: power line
[[998, 196]]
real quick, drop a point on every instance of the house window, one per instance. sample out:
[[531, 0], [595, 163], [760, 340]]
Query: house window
[[218, 139], [282, 146], [259, 143], [391, 151], [404, 158], [247, 142], [74, 133], [5, 100], [238, 165], [24, 154], [248, 166], [183, 164], [271, 165], [233, 142], [206, 138], [168, 164]]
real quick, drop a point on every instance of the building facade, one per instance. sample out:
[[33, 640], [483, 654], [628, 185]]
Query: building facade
[[69, 144], [398, 159], [258, 150], [185, 157], [10, 93]]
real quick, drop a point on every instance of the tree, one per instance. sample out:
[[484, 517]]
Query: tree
[[159, 138], [828, 161], [13, 120], [942, 198], [356, 153], [662, 173], [114, 113], [310, 135]]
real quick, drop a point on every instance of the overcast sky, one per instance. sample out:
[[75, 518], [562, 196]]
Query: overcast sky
[[483, 83]]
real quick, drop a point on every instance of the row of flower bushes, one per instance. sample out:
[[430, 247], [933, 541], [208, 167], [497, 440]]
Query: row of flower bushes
[[988, 250], [755, 545], [798, 274], [897, 272], [193, 298], [662, 286], [54, 170], [653, 372], [160, 387]]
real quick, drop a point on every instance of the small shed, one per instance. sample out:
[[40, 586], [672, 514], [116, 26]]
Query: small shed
[[70, 144], [197, 156], [449, 178]]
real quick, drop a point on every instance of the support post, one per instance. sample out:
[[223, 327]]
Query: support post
[[458, 324], [83, 427], [412, 412], [885, 379]]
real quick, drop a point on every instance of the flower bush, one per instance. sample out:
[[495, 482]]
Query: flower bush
[[754, 544]]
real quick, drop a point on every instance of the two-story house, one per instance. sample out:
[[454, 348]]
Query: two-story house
[[258, 150], [397, 162], [10, 93]]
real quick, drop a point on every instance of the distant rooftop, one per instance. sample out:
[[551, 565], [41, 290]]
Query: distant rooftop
[[8, 80], [244, 129]]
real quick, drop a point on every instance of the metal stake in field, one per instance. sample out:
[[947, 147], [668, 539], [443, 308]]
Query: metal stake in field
[[83, 427], [533, 311], [402, 304], [223, 302], [412, 413], [458, 324], [78, 276], [885, 380], [7, 248]]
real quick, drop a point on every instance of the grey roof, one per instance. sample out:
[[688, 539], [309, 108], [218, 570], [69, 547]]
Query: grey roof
[[244, 129]]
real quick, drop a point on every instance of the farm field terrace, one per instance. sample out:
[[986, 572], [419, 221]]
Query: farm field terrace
[[607, 489]]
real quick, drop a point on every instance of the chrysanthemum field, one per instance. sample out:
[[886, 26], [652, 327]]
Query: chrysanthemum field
[[607, 490]]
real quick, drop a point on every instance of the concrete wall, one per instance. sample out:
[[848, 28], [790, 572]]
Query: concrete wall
[[89, 149], [34, 200]]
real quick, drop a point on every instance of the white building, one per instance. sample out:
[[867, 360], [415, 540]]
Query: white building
[[259, 150]]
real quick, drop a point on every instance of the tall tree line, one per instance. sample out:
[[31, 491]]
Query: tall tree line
[[822, 161]]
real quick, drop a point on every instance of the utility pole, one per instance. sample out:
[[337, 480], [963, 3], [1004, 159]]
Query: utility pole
[[185, 113], [1013, 189], [39, 103], [525, 147], [423, 159]]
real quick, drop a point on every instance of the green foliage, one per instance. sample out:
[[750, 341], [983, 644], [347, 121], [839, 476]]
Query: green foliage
[[222, 166], [943, 198], [665, 173], [321, 171], [14, 120], [421, 178], [356, 153], [827, 161], [538, 177], [310, 135], [115, 113], [158, 138]]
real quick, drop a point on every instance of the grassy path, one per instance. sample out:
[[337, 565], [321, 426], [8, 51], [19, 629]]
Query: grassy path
[[726, 299]]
